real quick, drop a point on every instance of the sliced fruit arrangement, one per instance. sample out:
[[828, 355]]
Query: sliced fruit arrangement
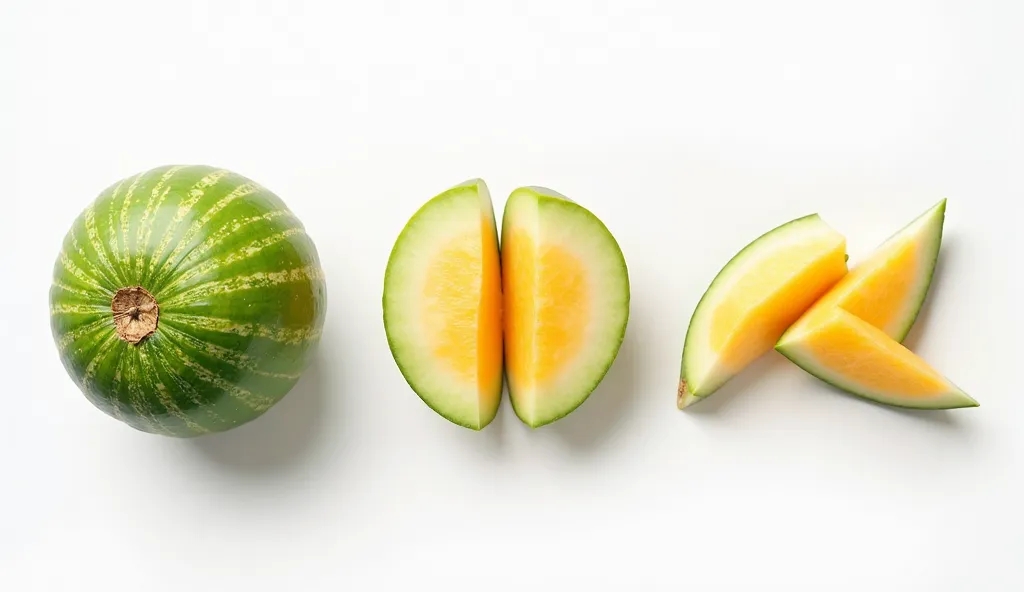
[[888, 288], [442, 305], [851, 337], [566, 293], [548, 309], [754, 298], [186, 300]]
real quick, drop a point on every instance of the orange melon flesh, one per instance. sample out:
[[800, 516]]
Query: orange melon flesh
[[566, 301], [851, 337], [764, 302], [442, 305], [461, 308], [548, 306], [755, 297], [860, 358], [889, 287], [490, 347]]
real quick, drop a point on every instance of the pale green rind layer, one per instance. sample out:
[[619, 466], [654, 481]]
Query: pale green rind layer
[[238, 281], [692, 385], [559, 217], [928, 228], [457, 209], [805, 359]]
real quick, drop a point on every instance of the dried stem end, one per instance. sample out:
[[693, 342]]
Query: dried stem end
[[135, 314]]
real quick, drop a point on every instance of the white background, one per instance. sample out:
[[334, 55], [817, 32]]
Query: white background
[[690, 128]]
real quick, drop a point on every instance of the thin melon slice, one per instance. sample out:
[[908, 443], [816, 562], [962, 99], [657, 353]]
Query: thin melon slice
[[754, 298], [858, 348], [855, 356], [442, 305], [566, 294], [888, 288]]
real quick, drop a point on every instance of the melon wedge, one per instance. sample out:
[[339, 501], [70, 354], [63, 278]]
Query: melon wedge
[[566, 303], [754, 298], [855, 356], [888, 288], [442, 305], [851, 337]]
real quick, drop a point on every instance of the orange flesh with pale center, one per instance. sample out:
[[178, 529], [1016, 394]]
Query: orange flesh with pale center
[[860, 352], [462, 308], [547, 307], [758, 310], [877, 291]]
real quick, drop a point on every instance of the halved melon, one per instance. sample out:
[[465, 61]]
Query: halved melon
[[855, 356], [442, 305], [566, 294], [754, 298], [851, 337]]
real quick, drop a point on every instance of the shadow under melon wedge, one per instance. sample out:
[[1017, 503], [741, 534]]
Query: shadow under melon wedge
[[754, 298], [442, 305], [851, 337], [566, 293]]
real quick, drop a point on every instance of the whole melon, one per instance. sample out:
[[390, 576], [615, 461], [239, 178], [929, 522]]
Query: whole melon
[[186, 300]]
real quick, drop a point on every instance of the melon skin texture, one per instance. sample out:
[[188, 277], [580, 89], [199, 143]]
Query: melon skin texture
[[851, 338], [566, 303], [186, 300], [442, 305], [753, 299]]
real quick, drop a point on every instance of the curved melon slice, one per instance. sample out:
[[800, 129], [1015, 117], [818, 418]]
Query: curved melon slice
[[888, 288], [566, 294], [442, 305], [855, 356], [857, 349], [754, 298]]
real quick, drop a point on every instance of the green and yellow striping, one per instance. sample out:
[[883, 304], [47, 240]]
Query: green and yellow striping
[[240, 299]]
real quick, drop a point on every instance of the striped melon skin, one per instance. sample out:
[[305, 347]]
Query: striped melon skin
[[240, 299]]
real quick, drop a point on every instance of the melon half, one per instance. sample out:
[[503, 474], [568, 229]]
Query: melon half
[[566, 294], [547, 310], [442, 305], [754, 298], [851, 338]]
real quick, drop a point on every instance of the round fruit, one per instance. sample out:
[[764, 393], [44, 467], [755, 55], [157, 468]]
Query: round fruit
[[186, 300]]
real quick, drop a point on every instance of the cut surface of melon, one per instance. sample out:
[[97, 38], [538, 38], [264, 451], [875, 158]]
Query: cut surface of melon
[[754, 298], [857, 357], [442, 305], [566, 303], [888, 288]]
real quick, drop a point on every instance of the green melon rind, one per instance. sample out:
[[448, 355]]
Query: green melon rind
[[933, 221], [963, 400], [550, 198], [434, 401], [955, 399], [684, 396]]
